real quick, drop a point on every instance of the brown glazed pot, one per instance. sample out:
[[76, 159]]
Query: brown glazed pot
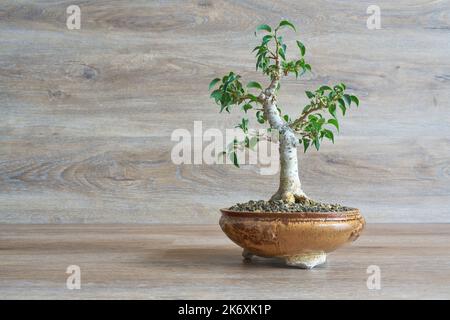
[[301, 239]]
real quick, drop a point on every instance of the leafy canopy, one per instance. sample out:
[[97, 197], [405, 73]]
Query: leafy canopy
[[315, 121]]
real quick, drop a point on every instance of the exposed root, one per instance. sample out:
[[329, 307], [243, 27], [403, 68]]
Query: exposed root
[[291, 197]]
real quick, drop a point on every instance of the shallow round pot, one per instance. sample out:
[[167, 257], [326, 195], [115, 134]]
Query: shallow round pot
[[301, 239]]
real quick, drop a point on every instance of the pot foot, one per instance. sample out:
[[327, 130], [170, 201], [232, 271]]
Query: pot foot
[[307, 260], [247, 255]]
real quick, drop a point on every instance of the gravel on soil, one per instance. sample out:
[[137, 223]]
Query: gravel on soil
[[281, 206]]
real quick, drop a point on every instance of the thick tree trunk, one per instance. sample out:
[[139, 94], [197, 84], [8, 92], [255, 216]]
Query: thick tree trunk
[[290, 187]]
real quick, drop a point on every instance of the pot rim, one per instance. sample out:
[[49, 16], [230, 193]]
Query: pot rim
[[351, 214]]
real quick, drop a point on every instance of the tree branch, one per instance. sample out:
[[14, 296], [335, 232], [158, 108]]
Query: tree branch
[[304, 115]]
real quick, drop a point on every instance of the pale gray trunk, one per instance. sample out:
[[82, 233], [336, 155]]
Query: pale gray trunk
[[290, 186]]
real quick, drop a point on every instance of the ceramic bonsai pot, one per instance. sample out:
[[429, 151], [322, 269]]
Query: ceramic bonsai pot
[[301, 239]]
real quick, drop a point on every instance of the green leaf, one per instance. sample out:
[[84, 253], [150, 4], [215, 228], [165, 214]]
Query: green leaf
[[280, 39], [264, 27], [229, 80], [308, 67], [260, 117], [335, 123], [281, 53], [224, 107], [316, 142], [301, 47], [328, 134], [285, 23], [234, 158], [254, 84], [252, 97], [258, 62], [243, 125], [262, 51], [332, 110], [342, 106], [355, 100], [347, 99], [256, 48], [309, 94], [286, 118], [338, 89], [324, 88], [306, 143], [213, 83], [216, 94], [247, 142], [247, 107], [266, 39], [284, 47]]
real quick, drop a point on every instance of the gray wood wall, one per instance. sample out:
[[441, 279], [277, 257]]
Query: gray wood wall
[[86, 115]]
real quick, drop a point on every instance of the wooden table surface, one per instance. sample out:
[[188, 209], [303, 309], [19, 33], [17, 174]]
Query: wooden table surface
[[199, 262]]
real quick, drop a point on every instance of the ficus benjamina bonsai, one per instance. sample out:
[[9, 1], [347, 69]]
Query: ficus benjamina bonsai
[[315, 122]]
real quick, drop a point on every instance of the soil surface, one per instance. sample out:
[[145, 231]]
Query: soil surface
[[280, 206]]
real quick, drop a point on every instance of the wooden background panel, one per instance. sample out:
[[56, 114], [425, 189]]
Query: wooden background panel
[[87, 114]]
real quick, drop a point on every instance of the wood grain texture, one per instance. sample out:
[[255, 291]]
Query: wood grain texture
[[198, 261], [86, 115]]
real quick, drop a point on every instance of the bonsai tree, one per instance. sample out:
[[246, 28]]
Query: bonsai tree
[[314, 122]]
